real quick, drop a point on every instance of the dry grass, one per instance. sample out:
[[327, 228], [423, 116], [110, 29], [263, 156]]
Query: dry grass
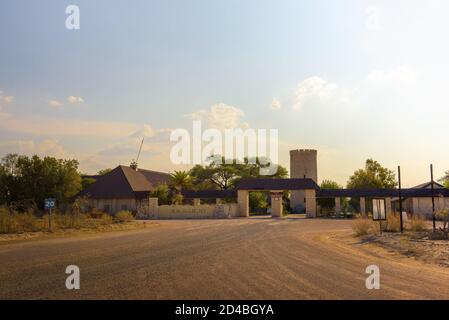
[[417, 224], [15, 222], [393, 223], [363, 227], [124, 216]]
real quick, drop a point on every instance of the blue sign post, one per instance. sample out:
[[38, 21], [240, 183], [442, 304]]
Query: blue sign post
[[49, 205]]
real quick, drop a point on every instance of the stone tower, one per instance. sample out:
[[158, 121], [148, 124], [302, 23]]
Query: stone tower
[[303, 164]]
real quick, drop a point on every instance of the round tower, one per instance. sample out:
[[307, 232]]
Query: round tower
[[303, 164]]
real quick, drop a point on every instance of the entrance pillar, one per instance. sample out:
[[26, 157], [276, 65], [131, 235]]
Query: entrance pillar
[[363, 206], [153, 208], [337, 205], [276, 204], [196, 202], [243, 201], [310, 203]]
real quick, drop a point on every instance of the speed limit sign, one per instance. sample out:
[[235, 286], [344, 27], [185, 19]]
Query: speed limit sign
[[50, 203]]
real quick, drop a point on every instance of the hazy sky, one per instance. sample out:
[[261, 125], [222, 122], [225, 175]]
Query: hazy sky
[[353, 79]]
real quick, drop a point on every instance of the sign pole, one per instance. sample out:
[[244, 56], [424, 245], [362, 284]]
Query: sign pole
[[400, 197], [433, 199], [49, 219], [49, 205]]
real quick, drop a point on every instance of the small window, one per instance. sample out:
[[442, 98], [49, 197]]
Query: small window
[[106, 208], [124, 207]]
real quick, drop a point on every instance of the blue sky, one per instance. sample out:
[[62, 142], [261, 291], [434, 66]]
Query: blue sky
[[354, 79]]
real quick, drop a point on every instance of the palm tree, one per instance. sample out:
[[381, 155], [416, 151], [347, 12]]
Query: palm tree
[[180, 180]]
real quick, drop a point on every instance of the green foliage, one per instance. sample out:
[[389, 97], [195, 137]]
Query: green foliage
[[162, 192], [177, 199], [86, 182], [223, 173], [328, 203], [258, 202], [180, 180], [445, 179], [373, 176], [124, 216], [34, 179], [104, 171]]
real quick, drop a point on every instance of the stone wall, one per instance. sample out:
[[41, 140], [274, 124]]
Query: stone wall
[[112, 206], [201, 211]]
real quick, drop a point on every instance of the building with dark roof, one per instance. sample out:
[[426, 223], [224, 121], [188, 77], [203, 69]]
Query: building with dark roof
[[123, 188]]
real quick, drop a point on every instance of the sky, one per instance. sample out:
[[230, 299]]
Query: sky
[[352, 79]]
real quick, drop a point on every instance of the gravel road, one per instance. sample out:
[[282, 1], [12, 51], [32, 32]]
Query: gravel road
[[255, 258]]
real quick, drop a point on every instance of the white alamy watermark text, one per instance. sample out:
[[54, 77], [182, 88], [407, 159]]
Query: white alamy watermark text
[[203, 146]]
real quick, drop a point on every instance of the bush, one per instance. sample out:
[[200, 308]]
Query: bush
[[393, 223], [363, 227], [258, 202], [417, 224], [162, 192], [97, 214], [124, 216], [177, 199], [106, 219]]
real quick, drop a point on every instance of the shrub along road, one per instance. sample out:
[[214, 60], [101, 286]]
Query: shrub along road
[[256, 258]]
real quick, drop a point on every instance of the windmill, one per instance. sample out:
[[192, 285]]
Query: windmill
[[134, 162]]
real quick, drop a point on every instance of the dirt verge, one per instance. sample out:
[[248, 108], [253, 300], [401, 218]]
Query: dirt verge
[[28, 236]]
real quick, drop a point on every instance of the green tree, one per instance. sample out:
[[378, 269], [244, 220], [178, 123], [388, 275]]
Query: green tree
[[162, 192], [258, 202], [373, 176], [445, 179], [328, 203], [86, 182], [34, 179], [223, 174], [180, 180], [102, 172], [217, 175]]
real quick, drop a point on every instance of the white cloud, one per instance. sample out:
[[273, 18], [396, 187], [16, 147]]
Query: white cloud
[[220, 116], [146, 131], [7, 99], [275, 104], [312, 88], [55, 103], [4, 99], [49, 126], [75, 99], [47, 147], [398, 76]]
